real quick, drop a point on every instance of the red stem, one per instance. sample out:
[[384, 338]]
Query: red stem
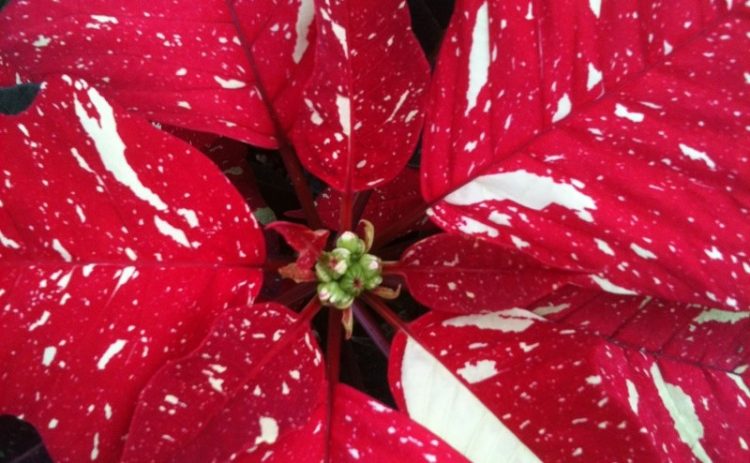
[[360, 203], [301, 188], [370, 325], [296, 294], [388, 315], [347, 211], [333, 359], [288, 156], [393, 268]]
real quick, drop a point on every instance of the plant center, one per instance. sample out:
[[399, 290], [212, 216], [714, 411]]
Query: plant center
[[347, 271]]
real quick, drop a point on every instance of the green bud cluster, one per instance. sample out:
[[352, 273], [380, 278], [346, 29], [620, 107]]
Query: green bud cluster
[[346, 272]]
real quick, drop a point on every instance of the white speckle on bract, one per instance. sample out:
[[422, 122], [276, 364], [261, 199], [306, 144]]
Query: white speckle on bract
[[42, 320], [481, 437], [82, 162], [49, 355], [216, 384], [80, 214], [478, 371], [625, 113], [42, 41], [63, 282], [610, 287], [107, 411], [594, 77], [338, 31], [604, 247], [111, 351], [315, 116], [354, 453], [399, 103], [305, 16], [667, 47], [167, 229], [230, 84], [551, 309], [470, 146], [474, 227], [632, 395], [125, 275], [104, 19], [181, 72], [737, 379], [131, 254], [8, 243], [190, 217], [643, 253], [527, 189], [528, 347], [594, 380], [479, 57], [23, 130], [343, 105], [697, 155], [682, 410], [57, 246], [184, 104], [269, 431], [507, 321], [411, 115], [111, 148], [596, 7], [518, 242], [499, 218], [564, 106], [87, 269], [720, 316], [52, 423], [171, 399], [95, 449], [714, 253]]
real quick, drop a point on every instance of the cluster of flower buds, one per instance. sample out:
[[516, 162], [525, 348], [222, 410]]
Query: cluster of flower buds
[[347, 271]]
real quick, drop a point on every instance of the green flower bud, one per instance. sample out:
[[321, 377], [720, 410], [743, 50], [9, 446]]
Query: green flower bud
[[353, 281], [351, 242], [347, 271], [373, 282], [330, 291], [333, 264]]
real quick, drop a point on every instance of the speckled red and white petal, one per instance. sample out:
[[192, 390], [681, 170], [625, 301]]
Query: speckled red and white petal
[[533, 390], [119, 244], [604, 137], [362, 110]]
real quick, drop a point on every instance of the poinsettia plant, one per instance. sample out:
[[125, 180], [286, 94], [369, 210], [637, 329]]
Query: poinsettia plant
[[576, 231]]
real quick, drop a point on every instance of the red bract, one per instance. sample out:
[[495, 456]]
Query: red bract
[[175, 64], [599, 137], [119, 246], [573, 146], [362, 105], [537, 391], [115, 267], [385, 205], [451, 273], [308, 244], [234, 395]]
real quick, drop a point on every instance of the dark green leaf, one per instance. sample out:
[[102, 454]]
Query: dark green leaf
[[14, 100]]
